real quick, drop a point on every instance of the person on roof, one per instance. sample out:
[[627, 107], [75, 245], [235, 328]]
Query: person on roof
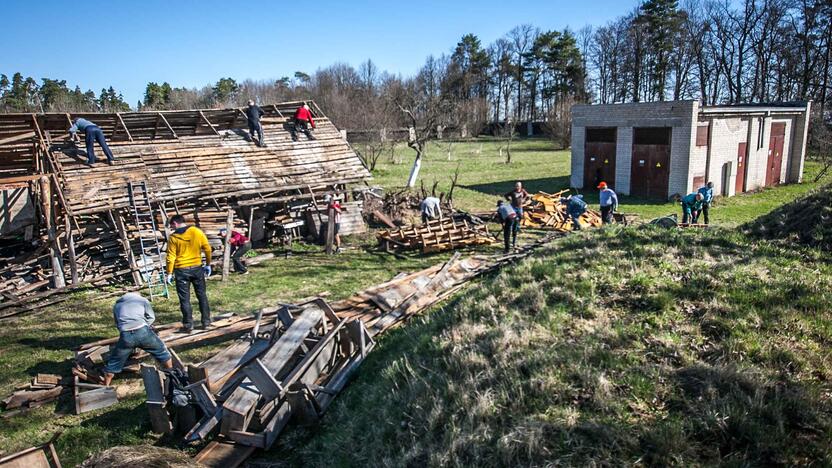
[[303, 119], [92, 134], [184, 264], [707, 192], [690, 203], [608, 201], [431, 209], [134, 318], [239, 246], [253, 113]]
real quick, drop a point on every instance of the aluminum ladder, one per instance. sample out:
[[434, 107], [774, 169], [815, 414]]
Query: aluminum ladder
[[150, 262]]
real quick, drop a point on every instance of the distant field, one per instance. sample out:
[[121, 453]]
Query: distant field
[[484, 176]]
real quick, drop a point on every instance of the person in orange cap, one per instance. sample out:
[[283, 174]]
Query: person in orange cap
[[609, 202]]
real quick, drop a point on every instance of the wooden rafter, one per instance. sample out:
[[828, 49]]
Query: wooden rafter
[[168, 125], [210, 125]]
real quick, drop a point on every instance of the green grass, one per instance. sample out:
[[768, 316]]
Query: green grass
[[622, 346], [585, 340], [484, 177]]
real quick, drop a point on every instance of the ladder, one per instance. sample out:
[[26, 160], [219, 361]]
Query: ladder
[[150, 261]]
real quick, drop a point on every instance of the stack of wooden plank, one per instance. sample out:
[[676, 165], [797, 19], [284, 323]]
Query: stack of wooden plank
[[43, 388], [547, 211], [436, 235]]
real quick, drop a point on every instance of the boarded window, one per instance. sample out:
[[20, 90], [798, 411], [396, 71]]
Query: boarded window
[[702, 132], [600, 135], [651, 136]]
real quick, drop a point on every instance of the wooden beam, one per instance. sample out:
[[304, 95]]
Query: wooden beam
[[168, 125], [58, 279], [124, 125], [210, 125], [226, 253], [118, 223], [16, 138], [70, 245]]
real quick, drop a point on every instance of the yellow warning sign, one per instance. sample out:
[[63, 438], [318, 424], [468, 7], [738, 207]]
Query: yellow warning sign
[[606, 161], [658, 164]]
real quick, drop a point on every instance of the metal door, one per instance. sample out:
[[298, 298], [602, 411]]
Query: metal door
[[775, 153], [650, 168], [599, 157], [742, 151]]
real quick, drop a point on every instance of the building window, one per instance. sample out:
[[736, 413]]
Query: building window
[[702, 134], [760, 131]]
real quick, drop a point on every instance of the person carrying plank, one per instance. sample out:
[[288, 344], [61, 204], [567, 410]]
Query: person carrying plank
[[431, 209], [303, 118], [134, 318], [690, 203], [253, 113], [608, 201], [239, 246], [184, 265], [508, 217], [707, 192], [92, 134], [575, 207]]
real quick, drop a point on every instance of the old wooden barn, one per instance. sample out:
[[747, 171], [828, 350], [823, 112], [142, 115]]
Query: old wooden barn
[[64, 224]]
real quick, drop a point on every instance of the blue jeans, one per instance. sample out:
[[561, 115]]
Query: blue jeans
[[519, 211], [128, 341], [91, 135]]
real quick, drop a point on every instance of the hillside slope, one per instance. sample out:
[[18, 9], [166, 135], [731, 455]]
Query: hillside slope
[[807, 220], [619, 346]]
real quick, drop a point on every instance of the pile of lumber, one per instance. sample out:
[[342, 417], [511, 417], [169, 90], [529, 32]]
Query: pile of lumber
[[43, 388], [436, 235], [547, 211]]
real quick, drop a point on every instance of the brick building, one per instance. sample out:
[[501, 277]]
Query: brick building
[[660, 149]]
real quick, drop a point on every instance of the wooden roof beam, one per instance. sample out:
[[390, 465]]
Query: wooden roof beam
[[168, 125], [205, 119]]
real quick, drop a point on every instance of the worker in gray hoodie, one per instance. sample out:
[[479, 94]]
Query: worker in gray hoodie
[[134, 316]]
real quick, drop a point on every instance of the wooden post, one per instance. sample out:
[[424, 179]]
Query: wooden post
[[118, 223], [70, 245], [58, 280], [226, 252], [330, 229]]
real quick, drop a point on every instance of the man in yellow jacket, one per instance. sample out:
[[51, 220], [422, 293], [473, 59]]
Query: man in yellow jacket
[[184, 263]]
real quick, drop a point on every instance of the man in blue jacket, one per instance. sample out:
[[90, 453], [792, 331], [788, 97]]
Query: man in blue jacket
[[134, 316], [608, 201], [575, 207], [690, 203], [92, 133], [707, 192]]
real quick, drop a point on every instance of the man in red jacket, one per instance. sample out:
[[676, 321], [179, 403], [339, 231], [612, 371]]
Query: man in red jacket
[[303, 118], [239, 246]]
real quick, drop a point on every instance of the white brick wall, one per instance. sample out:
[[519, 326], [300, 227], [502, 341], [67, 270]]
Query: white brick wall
[[726, 135]]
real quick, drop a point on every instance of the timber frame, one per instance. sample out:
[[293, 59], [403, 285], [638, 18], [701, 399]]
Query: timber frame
[[73, 225]]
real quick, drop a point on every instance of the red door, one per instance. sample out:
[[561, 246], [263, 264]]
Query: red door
[[775, 153], [599, 157], [742, 150], [650, 171]]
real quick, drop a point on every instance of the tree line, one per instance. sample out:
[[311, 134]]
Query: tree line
[[718, 51]]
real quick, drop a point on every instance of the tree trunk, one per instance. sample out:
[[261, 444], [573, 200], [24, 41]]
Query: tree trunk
[[414, 171]]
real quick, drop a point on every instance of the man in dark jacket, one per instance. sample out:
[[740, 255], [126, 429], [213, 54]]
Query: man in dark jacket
[[92, 134], [303, 118], [254, 112], [575, 207], [239, 246]]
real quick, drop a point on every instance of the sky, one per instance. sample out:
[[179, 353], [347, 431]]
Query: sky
[[126, 44]]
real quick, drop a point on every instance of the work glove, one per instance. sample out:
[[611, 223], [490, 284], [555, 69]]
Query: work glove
[[207, 270], [169, 279]]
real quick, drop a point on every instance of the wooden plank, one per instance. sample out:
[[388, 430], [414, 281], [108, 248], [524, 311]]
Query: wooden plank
[[160, 420], [98, 398], [223, 454], [17, 138], [268, 387], [239, 406], [203, 397], [153, 386], [226, 252]]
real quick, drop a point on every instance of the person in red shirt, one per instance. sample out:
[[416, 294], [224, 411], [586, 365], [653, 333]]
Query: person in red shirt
[[303, 118], [239, 246]]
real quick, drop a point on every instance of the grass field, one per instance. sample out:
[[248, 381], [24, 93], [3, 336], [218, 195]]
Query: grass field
[[574, 356], [484, 176]]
